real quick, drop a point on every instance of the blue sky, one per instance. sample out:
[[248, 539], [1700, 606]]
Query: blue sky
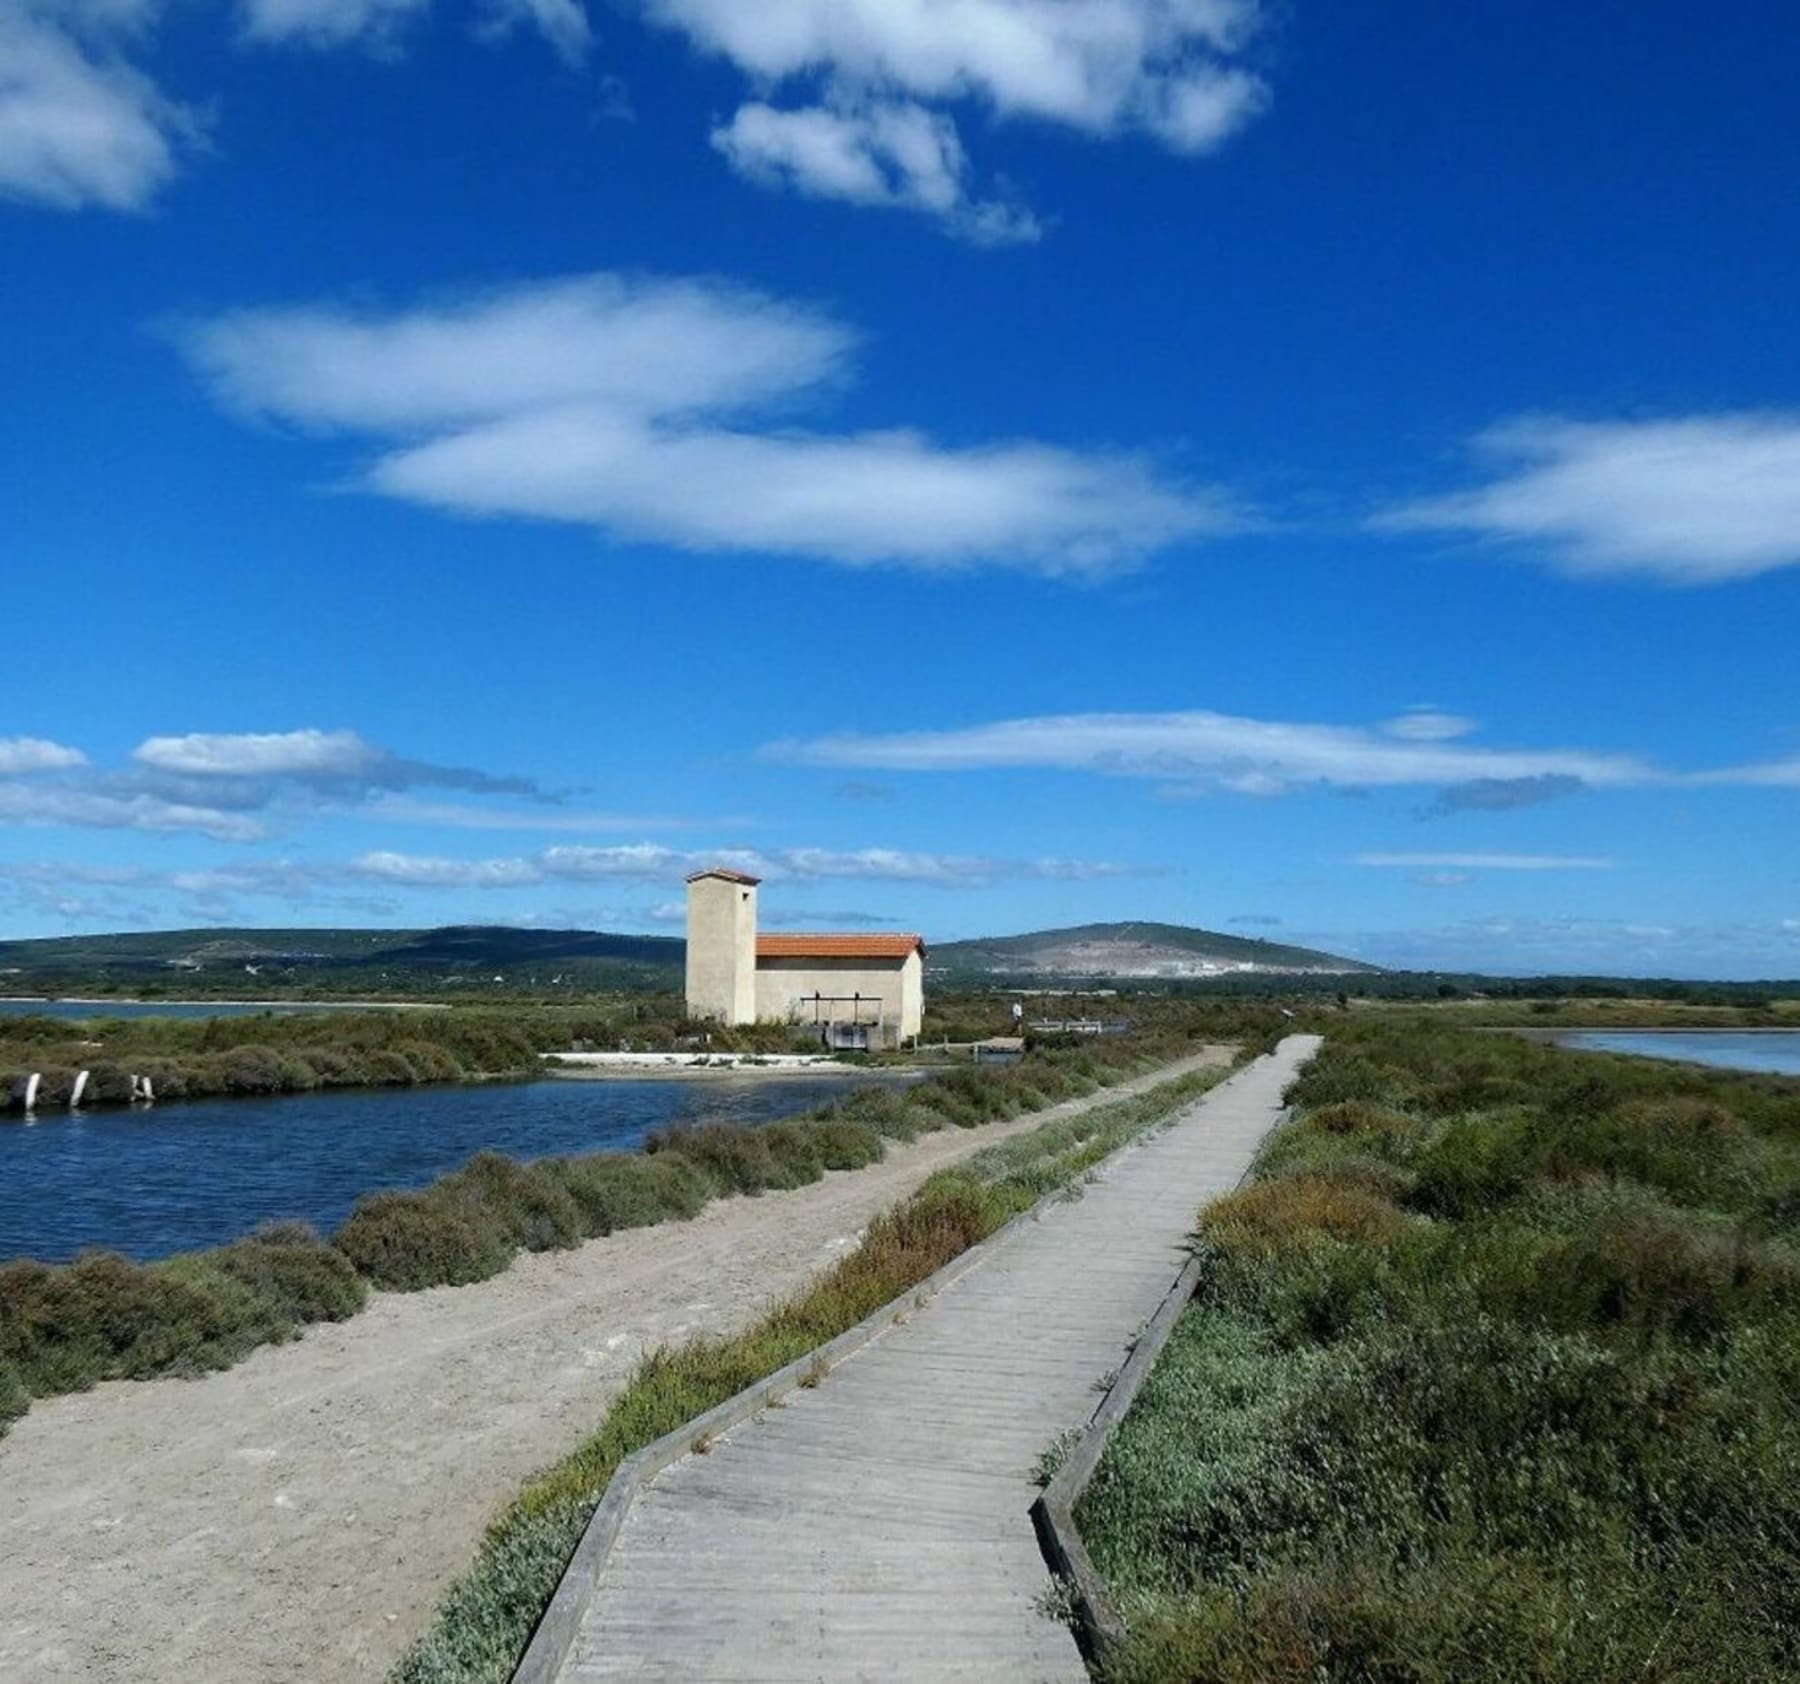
[[1326, 472]]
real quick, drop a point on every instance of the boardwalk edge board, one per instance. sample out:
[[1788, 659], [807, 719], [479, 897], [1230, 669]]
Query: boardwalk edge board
[[1097, 1624], [556, 1631]]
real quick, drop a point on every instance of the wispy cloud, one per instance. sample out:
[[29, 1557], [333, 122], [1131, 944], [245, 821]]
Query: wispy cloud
[[55, 804], [1429, 725], [339, 763], [873, 81], [651, 863], [35, 754], [1696, 500], [79, 124], [1577, 945], [330, 23], [227, 785], [1203, 752], [661, 411], [1486, 862], [896, 155]]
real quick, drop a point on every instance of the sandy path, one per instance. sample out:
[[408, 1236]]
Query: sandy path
[[298, 1516]]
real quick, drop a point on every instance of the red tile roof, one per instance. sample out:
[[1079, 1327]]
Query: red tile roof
[[726, 874], [838, 947]]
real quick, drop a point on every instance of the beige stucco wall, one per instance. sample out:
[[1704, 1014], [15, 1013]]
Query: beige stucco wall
[[784, 987], [721, 951]]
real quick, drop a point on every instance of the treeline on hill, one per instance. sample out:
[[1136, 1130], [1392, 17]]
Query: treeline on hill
[[1491, 1376], [65, 1327]]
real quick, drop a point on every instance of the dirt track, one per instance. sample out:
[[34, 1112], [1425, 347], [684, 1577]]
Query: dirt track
[[298, 1516]]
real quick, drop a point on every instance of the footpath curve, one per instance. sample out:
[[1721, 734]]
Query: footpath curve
[[877, 1527]]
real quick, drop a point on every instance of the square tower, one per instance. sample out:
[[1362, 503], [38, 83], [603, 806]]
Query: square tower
[[721, 946]]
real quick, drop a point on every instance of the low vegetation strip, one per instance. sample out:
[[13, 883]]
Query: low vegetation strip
[[486, 1621], [65, 1327], [1491, 1376]]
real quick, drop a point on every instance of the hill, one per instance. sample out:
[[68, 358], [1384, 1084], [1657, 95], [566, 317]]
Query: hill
[[215, 962], [1130, 953], [220, 963]]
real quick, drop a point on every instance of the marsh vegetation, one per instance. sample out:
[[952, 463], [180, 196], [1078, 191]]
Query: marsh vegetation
[[1492, 1376]]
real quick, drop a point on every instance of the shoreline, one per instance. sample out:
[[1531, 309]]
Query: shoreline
[[270, 1005], [605, 1067]]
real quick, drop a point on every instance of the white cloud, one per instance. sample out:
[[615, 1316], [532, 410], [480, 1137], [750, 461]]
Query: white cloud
[[225, 784], [1100, 66], [1169, 69], [1773, 774], [630, 346], [256, 768], [654, 411], [1486, 862], [328, 23], [562, 23], [1209, 751], [34, 754], [892, 154], [401, 809], [78, 124], [650, 863], [418, 872], [1690, 501], [37, 803], [1429, 725], [251, 754]]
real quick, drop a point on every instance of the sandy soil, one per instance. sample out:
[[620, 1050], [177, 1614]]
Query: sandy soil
[[298, 1516]]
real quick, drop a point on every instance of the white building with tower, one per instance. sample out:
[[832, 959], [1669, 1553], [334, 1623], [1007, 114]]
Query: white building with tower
[[859, 990]]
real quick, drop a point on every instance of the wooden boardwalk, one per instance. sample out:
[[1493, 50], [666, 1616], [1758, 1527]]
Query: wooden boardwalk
[[877, 1527]]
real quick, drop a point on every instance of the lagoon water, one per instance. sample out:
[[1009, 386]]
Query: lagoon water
[[1770, 1052], [181, 1176]]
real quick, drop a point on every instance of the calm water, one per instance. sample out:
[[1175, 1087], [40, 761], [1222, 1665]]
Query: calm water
[[1772, 1052], [177, 1177], [151, 1008]]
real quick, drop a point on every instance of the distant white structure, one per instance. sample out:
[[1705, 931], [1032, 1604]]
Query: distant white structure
[[860, 990]]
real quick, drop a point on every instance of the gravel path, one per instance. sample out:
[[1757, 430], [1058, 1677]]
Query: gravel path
[[299, 1515]]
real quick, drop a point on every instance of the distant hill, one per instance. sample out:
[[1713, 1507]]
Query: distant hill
[[218, 961], [1130, 953]]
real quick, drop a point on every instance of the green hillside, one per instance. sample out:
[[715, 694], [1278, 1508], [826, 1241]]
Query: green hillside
[[216, 962]]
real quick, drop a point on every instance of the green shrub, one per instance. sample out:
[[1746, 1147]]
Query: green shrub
[[409, 1241], [14, 1399], [844, 1143], [289, 1265], [386, 1068], [522, 1206], [614, 1190], [103, 1317], [252, 1070], [431, 1062], [108, 1084]]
